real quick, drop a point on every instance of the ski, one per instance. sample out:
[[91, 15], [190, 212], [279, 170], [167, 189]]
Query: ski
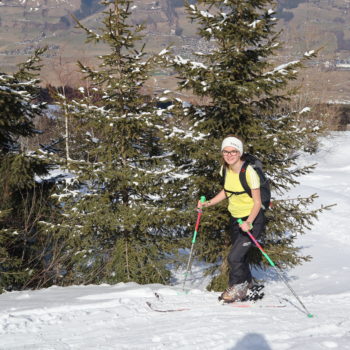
[[254, 294], [260, 306], [165, 310]]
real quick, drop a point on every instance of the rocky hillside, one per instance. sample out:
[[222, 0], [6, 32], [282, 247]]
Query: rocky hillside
[[306, 25]]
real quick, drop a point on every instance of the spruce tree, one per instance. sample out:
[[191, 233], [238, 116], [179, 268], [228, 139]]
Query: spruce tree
[[120, 190], [22, 194], [245, 94]]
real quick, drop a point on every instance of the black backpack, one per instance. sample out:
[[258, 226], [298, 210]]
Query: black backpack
[[265, 190]]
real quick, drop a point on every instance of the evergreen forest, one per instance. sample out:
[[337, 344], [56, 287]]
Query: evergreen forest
[[110, 195]]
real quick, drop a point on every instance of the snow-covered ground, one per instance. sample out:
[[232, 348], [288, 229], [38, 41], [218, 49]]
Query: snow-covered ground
[[118, 317]]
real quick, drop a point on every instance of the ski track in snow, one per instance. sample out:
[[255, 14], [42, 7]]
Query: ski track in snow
[[117, 316]]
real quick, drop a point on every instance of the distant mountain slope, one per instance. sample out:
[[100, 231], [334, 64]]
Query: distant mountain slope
[[305, 24]]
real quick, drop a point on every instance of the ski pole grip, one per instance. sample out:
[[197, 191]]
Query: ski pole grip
[[240, 221], [203, 199]]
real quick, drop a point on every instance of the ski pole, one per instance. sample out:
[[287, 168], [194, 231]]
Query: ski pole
[[276, 269], [203, 199]]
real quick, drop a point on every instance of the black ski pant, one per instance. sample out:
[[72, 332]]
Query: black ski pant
[[239, 270]]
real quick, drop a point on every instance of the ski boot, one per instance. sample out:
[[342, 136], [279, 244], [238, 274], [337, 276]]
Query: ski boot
[[237, 292]]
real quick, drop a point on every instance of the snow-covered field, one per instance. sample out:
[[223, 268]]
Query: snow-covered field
[[118, 317]]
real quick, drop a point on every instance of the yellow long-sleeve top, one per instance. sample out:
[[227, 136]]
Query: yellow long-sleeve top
[[240, 205]]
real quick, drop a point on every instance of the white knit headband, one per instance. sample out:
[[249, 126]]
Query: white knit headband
[[232, 142]]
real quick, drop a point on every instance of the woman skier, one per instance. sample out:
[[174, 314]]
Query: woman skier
[[241, 206]]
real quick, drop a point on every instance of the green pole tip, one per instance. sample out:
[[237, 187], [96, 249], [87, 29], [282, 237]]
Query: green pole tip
[[310, 315], [203, 199]]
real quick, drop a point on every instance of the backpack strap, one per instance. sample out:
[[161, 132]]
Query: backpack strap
[[231, 193], [243, 179], [223, 172], [222, 175]]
